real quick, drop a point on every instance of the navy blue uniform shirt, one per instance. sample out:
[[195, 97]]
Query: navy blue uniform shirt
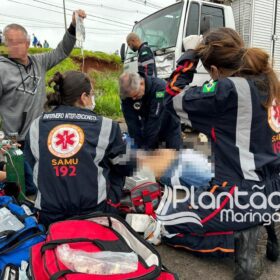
[[79, 160], [147, 118], [146, 61]]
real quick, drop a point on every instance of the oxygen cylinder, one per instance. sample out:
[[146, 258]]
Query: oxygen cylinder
[[15, 168]]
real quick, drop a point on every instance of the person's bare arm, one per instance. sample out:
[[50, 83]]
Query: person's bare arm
[[2, 176], [157, 161]]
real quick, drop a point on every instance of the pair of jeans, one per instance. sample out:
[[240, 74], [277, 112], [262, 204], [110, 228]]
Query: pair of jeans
[[192, 168]]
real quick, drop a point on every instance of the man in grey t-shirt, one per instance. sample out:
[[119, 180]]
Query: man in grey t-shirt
[[22, 77]]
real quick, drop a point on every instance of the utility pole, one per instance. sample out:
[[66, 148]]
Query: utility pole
[[64, 10]]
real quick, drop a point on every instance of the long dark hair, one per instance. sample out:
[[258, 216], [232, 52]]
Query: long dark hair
[[68, 88]]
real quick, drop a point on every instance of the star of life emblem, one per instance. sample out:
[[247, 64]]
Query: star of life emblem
[[274, 117], [65, 140]]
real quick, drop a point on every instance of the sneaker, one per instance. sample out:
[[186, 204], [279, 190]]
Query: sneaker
[[152, 233], [250, 249]]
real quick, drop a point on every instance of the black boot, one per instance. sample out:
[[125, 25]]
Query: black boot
[[250, 248], [273, 237]]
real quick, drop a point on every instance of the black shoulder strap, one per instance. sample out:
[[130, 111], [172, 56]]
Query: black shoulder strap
[[61, 273], [53, 244]]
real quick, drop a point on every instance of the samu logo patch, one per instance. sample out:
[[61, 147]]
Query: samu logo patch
[[274, 117], [65, 140]]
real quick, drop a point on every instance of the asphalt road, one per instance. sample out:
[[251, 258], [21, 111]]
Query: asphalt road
[[190, 267]]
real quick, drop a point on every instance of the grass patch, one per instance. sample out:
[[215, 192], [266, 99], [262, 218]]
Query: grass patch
[[76, 53], [106, 90], [38, 50], [3, 50], [66, 65], [111, 58]]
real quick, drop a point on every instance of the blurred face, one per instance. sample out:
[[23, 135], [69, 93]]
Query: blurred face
[[138, 94], [17, 44], [88, 100], [132, 45]]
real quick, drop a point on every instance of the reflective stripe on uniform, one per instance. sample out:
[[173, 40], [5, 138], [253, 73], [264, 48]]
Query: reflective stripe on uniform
[[178, 106], [147, 62], [243, 128], [103, 142], [34, 146]]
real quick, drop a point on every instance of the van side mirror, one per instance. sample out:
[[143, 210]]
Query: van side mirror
[[206, 24], [123, 52]]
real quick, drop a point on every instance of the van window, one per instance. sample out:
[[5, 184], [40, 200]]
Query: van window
[[216, 13], [193, 20], [160, 29]]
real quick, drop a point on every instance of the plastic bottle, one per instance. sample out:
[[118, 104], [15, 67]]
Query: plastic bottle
[[80, 36]]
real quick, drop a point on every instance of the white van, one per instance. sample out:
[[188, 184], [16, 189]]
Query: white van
[[165, 30]]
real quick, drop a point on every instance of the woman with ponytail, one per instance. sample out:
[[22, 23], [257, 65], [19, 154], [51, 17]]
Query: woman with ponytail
[[238, 109], [71, 89], [75, 154]]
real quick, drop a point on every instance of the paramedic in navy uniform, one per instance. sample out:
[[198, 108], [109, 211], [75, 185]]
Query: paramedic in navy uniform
[[148, 122], [146, 59], [78, 158], [240, 112]]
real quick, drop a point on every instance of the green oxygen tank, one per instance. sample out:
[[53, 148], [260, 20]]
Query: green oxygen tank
[[15, 168]]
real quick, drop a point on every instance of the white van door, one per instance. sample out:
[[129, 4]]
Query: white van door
[[193, 26]]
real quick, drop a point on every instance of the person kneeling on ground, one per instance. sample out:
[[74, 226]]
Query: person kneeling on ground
[[239, 112], [78, 158], [148, 123]]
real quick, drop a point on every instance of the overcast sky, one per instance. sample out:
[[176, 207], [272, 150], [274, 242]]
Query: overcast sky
[[107, 24]]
